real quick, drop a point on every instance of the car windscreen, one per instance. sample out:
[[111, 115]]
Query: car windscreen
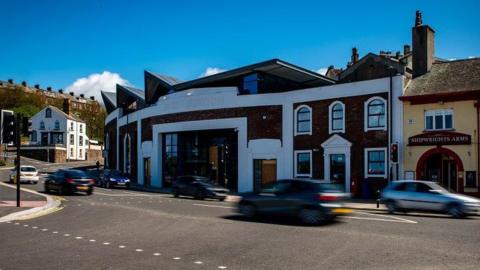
[[115, 173], [324, 187], [76, 174], [28, 169]]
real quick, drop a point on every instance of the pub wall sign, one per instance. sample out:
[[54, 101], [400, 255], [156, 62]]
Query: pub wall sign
[[440, 138]]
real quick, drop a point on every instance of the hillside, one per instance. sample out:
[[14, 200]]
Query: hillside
[[21, 98]]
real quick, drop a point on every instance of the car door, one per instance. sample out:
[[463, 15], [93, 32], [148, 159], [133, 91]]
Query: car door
[[278, 199], [404, 195], [427, 198]]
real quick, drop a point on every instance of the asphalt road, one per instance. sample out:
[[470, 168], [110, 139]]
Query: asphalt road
[[119, 229]]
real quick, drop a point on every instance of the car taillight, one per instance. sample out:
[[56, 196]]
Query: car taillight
[[327, 197], [92, 181], [70, 181]]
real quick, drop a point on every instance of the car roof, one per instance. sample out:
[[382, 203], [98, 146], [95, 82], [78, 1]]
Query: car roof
[[413, 181], [27, 166]]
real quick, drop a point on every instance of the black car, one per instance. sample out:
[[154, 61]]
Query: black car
[[311, 201], [69, 181], [198, 187], [113, 178]]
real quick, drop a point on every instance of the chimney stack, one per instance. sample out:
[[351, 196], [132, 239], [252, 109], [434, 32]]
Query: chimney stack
[[72, 94], [24, 83], [354, 56], [423, 47], [49, 88], [66, 106], [37, 86], [92, 97], [82, 95], [60, 91], [10, 81], [406, 49]]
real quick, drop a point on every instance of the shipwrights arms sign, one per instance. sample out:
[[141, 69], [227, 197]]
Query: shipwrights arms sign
[[440, 138]]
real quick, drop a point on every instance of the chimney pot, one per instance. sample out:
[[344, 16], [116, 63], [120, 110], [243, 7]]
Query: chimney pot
[[92, 97], [49, 88], [66, 106], [37, 86], [406, 49], [354, 59], [82, 95], [10, 81], [24, 83], [60, 91], [418, 18], [72, 94]]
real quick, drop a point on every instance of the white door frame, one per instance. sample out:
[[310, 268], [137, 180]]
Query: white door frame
[[336, 144]]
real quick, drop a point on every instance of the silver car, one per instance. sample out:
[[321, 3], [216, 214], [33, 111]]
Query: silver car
[[427, 196]]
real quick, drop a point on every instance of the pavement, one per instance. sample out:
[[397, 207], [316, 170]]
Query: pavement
[[125, 229]]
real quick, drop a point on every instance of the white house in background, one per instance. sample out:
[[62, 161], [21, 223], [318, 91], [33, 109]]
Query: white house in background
[[53, 127]]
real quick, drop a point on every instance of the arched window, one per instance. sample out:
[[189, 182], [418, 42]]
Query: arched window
[[303, 120], [42, 125], [57, 124], [336, 117], [375, 114], [127, 160], [48, 113], [107, 141]]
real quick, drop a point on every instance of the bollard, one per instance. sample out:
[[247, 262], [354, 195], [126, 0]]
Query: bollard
[[378, 198]]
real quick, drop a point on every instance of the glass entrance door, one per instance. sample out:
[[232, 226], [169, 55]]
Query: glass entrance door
[[264, 173], [337, 168]]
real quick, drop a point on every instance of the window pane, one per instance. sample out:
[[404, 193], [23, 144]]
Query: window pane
[[429, 122], [376, 109], [337, 114], [448, 121], [303, 126], [373, 121], [438, 122], [381, 121], [303, 163], [303, 114], [337, 124], [376, 162]]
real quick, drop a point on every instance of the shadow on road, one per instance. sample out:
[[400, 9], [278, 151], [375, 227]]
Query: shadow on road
[[278, 220]]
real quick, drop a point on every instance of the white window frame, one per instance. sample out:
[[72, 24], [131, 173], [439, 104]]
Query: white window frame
[[296, 152], [330, 118], [295, 114], [365, 114], [365, 161], [443, 113]]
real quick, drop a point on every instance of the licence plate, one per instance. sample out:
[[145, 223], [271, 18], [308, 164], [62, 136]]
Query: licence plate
[[82, 188], [342, 211], [120, 183]]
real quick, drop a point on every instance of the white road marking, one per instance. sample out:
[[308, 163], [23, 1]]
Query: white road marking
[[217, 206], [106, 243], [44, 230], [92, 240], [222, 267], [54, 232], [16, 223], [138, 250], [66, 234], [78, 237], [198, 262], [395, 219], [34, 227], [25, 225], [121, 246], [176, 258], [156, 254]]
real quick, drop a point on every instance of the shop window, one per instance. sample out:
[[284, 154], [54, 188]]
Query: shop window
[[56, 138], [303, 120], [375, 114], [439, 119], [171, 157], [336, 117], [303, 163], [375, 162]]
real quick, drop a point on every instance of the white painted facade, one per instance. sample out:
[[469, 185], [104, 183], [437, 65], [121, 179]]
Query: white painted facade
[[227, 97], [51, 126]]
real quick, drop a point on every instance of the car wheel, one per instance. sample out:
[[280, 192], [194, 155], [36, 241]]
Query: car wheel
[[175, 193], [221, 199], [455, 211], [108, 185], [391, 207], [248, 210], [311, 216], [90, 191]]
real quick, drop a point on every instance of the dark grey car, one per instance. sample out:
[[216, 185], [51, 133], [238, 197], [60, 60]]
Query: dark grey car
[[311, 201], [198, 187]]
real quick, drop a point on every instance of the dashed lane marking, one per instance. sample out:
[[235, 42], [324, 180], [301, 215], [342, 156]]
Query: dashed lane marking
[[138, 250], [44, 230], [198, 262], [66, 235], [106, 243], [176, 258], [55, 232], [121, 246], [222, 267], [78, 237], [92, 240], [156, 254]]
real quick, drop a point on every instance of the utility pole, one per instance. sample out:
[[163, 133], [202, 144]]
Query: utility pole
[[17, 143]]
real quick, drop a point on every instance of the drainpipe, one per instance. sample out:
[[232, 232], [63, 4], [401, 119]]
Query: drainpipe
[[390, 133]]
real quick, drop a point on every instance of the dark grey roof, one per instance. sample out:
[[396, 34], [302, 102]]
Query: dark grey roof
[[452, 76], [167, 79], [71, 117], [139, 93], [275, 67], [112, 97]]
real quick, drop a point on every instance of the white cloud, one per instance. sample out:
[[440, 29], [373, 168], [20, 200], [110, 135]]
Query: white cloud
[[211, 71], [93, 83], [322, 71]]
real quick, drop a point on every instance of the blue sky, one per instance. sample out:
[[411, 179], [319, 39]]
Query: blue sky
[[56, 42]]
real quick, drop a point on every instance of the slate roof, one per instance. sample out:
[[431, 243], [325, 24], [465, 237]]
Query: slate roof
[[139, 93], [64, 114], [112, 97], [167, 79], [444, 77]]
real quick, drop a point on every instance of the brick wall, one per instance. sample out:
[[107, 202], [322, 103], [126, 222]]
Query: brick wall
[[354, 133], [54, 155], [258, 128]]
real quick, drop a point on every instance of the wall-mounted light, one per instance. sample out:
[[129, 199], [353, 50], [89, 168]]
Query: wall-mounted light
[[264, 117]]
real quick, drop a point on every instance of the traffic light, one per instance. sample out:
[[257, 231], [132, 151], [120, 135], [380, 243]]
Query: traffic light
[[8, 127], [394, 152]]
